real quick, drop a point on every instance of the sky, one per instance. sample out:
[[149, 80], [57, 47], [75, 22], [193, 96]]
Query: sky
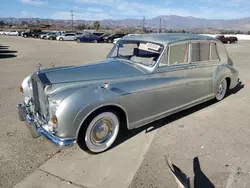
[[121, 9]]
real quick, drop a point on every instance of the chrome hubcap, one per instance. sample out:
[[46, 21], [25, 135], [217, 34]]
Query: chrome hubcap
[[102, 131], [221, 89]]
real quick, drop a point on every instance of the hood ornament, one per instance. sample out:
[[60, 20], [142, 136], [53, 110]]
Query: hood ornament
[[38, 68]]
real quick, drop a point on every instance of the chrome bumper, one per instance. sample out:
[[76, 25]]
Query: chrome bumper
[[36, 130]]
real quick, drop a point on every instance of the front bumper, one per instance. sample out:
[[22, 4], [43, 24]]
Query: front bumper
[[37, 130]]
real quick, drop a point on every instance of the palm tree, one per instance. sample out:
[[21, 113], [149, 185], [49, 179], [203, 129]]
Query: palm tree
[[96, 25]]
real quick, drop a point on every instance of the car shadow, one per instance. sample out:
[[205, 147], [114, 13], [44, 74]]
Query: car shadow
[[5, 53], [183, 181], [125, 134]]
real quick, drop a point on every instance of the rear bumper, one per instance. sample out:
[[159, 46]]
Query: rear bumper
[[37, 130]]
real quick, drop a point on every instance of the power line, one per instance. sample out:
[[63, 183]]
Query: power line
[[160, 26], [143, 24], [72, 19]]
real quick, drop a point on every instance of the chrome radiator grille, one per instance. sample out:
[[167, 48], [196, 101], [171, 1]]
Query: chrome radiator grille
[[39, 98]]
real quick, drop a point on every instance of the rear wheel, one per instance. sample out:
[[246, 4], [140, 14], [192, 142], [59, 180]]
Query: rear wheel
[[99, 132], [110, 41], [25, 36], [50, 38], [78, 40], [95, 41], [221, 90]]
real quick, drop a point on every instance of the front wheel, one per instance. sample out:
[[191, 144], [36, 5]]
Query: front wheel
[[98, 134], [78, 40], [221, 90], [61, 39], [95, 41]]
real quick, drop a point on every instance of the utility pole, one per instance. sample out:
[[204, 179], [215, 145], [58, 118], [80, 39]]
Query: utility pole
[[160, 26], [143, 24], [72, 19]]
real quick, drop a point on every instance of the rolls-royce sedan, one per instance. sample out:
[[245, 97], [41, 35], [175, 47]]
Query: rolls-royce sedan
[[144, 78]]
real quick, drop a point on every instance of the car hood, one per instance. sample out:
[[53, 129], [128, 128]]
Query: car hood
[[105, 70]]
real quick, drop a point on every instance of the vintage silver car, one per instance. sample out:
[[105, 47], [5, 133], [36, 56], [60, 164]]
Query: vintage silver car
[[144, 78]]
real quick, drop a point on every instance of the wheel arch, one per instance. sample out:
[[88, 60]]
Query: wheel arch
[[121, 112], [222, 72]]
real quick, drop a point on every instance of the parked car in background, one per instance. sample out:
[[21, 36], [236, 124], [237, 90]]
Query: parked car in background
[[88, 38], [38, 35], [115, 40], [144, 78], [233, 39], [103, 35], [6, 32], [67, 37], [97, 33], [13, 33], [42, 35], [31, 33], [20, 32], [51, 36], [111, 37], [1, 32], [227, 40]]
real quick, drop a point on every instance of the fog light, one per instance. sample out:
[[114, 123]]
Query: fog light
[[21, 89]]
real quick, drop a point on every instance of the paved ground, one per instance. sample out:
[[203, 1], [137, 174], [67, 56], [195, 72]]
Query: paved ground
[[217, 134]]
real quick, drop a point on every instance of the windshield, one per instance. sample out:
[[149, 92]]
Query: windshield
[[139, 52]]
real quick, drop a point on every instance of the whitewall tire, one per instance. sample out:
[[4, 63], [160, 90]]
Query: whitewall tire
[[102, 132], [221, 90]]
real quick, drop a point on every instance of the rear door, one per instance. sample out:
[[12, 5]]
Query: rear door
[[205, 59]]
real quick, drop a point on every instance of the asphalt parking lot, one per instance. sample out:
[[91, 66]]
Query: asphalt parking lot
[[210, 140]]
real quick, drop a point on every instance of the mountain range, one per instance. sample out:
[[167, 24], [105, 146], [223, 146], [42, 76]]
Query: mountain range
[[167, 22]]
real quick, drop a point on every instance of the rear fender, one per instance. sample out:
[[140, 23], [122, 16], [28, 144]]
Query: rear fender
[[223, 71]]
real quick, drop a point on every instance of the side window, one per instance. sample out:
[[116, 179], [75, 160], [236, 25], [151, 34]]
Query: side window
[[214, 56], [204, 51], [200, 52], [195, 57], [178, 54]]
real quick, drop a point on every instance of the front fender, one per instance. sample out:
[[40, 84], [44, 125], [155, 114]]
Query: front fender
[[74, 108]]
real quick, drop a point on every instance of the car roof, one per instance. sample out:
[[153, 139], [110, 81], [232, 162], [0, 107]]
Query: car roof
[[165, 38]]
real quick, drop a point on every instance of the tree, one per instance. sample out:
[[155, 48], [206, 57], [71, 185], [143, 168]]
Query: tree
[[96, 25], [2, 23], [81, 27]]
